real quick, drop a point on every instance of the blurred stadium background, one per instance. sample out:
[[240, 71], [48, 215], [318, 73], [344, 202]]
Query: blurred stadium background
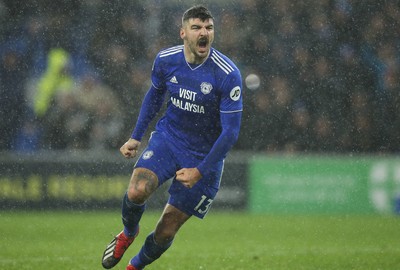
[[321, 126]]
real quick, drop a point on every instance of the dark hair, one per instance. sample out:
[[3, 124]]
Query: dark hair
[[199, 11]]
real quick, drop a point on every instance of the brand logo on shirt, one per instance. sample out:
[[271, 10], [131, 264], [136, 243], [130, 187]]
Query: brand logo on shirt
[[206, 88], [173, 80], [235, 93]]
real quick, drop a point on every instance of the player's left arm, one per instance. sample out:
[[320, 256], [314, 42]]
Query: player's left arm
[[229, 135], [230, 132], [231, 106]]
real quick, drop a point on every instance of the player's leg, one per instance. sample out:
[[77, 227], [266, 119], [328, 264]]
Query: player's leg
[[153, 168], [142, 184], [183, 203], [161, 239]]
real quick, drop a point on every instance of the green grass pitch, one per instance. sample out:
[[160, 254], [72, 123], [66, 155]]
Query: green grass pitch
[[76, 240]]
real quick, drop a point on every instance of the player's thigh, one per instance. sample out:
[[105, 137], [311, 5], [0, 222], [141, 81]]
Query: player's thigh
[[157, 158], [197, 200]]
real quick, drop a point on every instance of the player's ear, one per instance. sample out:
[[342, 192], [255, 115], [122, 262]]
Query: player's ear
[[182, 33]]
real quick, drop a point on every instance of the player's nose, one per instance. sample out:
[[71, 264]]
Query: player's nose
[[203, 31]]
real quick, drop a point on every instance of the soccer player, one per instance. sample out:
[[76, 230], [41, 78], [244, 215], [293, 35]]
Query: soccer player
[[190, 141]]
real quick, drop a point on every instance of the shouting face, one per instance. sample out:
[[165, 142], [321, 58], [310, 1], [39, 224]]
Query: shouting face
[[197, 38]]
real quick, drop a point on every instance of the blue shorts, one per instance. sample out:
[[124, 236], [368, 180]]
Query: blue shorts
[[164, 159]]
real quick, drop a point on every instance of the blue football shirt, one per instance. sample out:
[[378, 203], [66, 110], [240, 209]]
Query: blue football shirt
[[197, 95]]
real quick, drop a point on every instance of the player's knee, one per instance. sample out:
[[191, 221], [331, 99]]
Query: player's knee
[[136, 195], [143, 183], [139, 192]]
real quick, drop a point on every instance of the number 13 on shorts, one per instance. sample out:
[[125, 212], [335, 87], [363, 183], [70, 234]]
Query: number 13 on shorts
[[204, 204]]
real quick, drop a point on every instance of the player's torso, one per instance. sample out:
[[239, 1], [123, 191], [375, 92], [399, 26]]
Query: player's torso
[[194, 97], [193, 92]]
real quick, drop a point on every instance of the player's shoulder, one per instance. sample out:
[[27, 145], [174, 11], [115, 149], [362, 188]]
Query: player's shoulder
[[223, 62], [168, 57], [170, 52]]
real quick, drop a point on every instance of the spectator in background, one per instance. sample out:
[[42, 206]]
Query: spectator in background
[[12, 105], [78, 113], [100, 104], [259, 114], [269, 111], [300, 130], [281, 96], [22, 55], [380, 52], [361, 127], [64, 123], [28, 138], [323, 138], [56, 78]]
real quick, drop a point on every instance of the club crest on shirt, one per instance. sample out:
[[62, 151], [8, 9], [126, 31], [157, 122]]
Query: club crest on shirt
[[206, 88], [148, 154]]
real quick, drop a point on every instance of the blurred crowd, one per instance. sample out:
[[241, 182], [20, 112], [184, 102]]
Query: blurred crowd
[[319, 75]]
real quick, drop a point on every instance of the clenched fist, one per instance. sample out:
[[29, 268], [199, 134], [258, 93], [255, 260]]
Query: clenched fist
[[130, 148], [188, 176]]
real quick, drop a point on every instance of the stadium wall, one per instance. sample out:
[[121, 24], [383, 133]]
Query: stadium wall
[[257, 183], [91, 180]]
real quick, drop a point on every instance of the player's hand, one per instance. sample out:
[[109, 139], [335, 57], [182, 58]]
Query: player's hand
[[129, 149], [188, 176]]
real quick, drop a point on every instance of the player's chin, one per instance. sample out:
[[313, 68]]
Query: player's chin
[[203, 51]]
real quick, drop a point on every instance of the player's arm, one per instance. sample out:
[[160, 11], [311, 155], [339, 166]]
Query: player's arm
[[152, 101], [230, 123], [231, 106], [151, 105], [229, 135]]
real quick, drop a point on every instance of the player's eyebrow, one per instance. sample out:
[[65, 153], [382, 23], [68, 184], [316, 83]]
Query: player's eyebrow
[[208, 26]]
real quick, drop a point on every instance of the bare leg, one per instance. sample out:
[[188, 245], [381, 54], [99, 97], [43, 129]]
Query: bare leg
[[170, 222], [142, 184], [161, 239]]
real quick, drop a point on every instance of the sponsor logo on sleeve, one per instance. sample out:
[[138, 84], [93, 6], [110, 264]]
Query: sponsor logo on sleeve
[[235, 93]]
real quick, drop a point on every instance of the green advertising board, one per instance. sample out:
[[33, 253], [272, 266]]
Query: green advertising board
[[319, 184]]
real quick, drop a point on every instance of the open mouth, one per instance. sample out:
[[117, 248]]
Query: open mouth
[[203, 43]]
